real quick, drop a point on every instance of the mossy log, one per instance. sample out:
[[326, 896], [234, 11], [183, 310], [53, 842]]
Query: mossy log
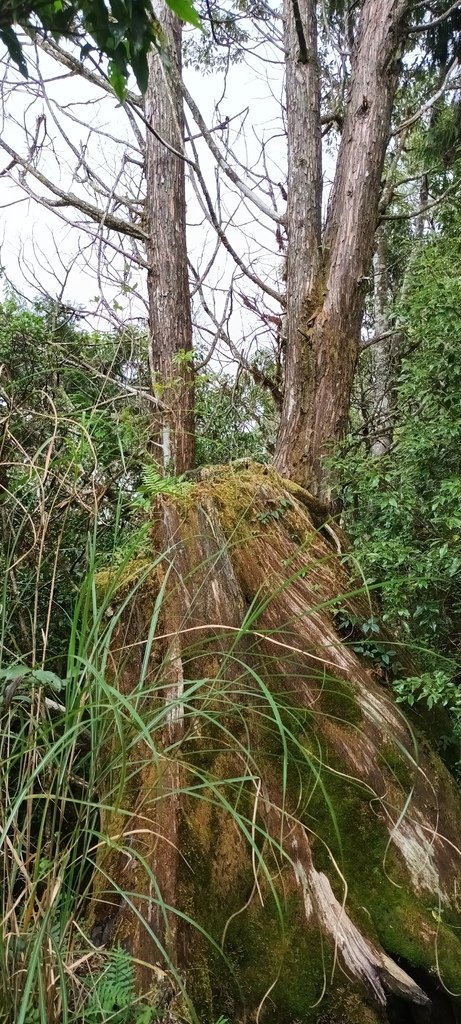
[[284, 804]]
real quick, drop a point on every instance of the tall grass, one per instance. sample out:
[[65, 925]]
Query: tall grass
[[59, 791]]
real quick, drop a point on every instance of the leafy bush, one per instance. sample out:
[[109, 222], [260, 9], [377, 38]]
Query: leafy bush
[[73, 449], [234, 419], [403, 510]]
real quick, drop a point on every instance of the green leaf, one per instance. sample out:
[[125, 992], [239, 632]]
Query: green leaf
[[185, 10], [11, 41], [141, 71], [14, 672], [48, 679], [117, 80]]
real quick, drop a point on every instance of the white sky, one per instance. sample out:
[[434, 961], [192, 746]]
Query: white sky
[[38, 251]]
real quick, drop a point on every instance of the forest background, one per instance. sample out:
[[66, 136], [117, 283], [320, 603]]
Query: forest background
[[80, 406]]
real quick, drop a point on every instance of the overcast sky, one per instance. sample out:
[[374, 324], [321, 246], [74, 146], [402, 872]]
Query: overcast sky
[[40, 252]]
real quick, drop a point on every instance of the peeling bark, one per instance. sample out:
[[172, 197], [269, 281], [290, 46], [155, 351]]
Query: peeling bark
[[373, 967]]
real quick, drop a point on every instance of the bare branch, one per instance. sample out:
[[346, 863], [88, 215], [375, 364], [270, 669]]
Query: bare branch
[[79, 68], [70, 199], [454, 63], [133, 101], [255, 371], [390, 184], [225, 167], [378, 338], [455, 185], [426, 26], [124, 386], [210, 212]]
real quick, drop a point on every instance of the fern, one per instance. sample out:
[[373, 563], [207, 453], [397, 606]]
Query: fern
[[154, 483], [113, 998]]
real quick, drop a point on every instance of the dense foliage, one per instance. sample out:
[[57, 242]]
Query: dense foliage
[[72, 452], [234, 419], [403, 508], [77, 458]]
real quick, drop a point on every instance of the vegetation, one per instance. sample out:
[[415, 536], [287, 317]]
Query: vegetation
[[214, 809], [402, 509], [122, 31], [68, 855], [60, 709]]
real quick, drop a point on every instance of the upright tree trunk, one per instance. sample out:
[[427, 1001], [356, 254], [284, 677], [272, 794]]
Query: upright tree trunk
[[168, 285], [381, 352], [304, 212], [325, 337]]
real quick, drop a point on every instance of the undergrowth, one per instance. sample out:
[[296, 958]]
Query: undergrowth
[[60, 793], [72, 746]]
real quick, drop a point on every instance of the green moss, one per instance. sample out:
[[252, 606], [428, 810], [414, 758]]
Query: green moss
[[343, 818], [250, 497], [116, 580], [344, 1006], [264, 943], [399, 764], [287, 954], [380, 896], [199, 982], [338, 700], [265, 949]]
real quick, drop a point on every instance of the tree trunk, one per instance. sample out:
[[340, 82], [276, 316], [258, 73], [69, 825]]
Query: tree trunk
[[304, 210], [323, 343], [301, 839], [381, 353], [168, 285]]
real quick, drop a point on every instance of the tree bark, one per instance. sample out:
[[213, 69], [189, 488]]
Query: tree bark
[[168, 285], [381, 353], [304, 210], [324, 341], [295, 781]]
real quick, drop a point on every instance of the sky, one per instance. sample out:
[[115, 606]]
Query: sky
[[41, 253]]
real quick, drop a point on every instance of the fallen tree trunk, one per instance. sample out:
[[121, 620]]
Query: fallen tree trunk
[[284, 841]]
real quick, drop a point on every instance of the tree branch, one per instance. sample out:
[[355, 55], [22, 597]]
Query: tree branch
[[222, 163], [211, 215], [428, 25], [79, 68], [378, 338], [70, 199], [133, 101], [422, 209], [429, 103], [255, 372]]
